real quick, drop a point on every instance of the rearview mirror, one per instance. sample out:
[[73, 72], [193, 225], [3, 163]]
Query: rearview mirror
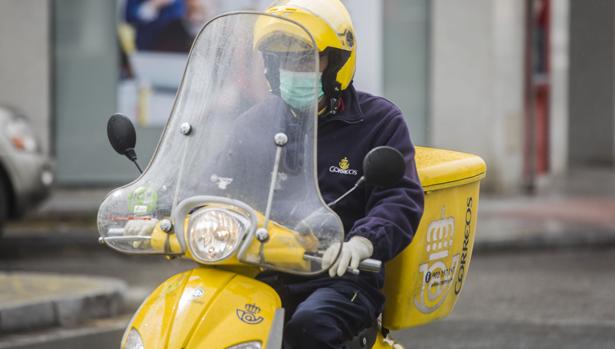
[[121, 133], [383, 166], [123, 137]]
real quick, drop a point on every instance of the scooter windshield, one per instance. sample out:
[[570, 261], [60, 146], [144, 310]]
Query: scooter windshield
[[241, 138]]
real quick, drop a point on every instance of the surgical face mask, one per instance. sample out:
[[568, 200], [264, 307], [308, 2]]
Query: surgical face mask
[[300, 90]]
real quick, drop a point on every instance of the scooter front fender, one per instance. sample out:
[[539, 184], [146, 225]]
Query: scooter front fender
[[209, 308]]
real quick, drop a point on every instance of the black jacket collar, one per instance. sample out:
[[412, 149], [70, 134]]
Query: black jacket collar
[[350, 111]]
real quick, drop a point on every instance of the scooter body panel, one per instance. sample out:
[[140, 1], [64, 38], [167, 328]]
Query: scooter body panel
[[207, 308]]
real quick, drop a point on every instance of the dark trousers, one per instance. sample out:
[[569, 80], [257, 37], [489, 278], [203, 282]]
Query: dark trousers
[[323, 313]]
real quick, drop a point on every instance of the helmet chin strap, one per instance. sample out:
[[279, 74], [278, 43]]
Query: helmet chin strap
[[333, 105], [332, 88], [329, 108]]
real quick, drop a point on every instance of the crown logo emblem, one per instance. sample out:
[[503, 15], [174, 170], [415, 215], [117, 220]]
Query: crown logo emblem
[[253, 308], [248, 314], [343, 168]]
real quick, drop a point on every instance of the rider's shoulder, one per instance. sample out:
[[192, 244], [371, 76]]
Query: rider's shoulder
[[376, 109], [373, 106]]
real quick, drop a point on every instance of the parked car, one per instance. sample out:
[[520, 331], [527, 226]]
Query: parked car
[[26, 173]]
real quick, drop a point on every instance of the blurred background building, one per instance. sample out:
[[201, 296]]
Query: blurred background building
[[528, 85]]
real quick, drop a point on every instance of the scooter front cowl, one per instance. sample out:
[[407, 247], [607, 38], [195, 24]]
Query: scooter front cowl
[[209, 308]]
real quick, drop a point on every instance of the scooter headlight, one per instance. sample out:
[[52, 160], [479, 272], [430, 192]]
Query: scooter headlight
[[214, 233], [133, 340]]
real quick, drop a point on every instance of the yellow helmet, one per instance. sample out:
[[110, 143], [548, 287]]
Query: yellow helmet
[[330, 25]]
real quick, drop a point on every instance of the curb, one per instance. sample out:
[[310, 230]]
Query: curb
[[96, 334], [34, 300]]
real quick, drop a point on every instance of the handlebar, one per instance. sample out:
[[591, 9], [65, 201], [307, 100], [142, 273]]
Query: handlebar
[[370, 265], [367, 265]]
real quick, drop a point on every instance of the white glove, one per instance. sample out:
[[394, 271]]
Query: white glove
[[140, 227], [353, 252]]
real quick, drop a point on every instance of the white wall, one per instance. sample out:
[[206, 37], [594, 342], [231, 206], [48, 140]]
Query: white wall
[[25, 61], [477, 84], [406, 59], [559, 86], [367, 20], [591, 84]]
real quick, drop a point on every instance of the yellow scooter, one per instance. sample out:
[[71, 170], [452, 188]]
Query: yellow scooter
[[234, 189]]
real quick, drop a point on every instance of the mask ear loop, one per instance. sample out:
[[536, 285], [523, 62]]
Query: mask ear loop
[[331, 87]]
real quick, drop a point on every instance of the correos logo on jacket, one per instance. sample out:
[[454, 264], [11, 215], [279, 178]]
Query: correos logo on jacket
[[343, 168]]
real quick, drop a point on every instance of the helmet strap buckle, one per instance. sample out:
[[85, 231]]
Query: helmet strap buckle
[[333, 105]]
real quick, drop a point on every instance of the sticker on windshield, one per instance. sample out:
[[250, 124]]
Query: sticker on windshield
[[222, 182], [142, 201]]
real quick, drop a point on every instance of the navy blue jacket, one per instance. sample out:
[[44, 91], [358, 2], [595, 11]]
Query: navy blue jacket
[[388, 217]]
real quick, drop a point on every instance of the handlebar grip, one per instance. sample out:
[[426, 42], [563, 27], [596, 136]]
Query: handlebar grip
[[370, 265], [367, 265]]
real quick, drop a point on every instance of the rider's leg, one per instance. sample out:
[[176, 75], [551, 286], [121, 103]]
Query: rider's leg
[[329, 317]]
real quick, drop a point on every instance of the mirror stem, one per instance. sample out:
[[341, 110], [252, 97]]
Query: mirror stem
[[138, 167], [356, 185], [132, 155]]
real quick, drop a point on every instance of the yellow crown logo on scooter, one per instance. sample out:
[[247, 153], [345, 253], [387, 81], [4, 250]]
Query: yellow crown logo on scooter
[[252, 308], [344, 163], [248, 314]]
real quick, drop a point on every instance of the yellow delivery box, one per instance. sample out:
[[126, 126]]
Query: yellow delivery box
[[423, 282]]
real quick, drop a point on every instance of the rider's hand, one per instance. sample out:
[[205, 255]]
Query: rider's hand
[[140, 227], [353, 252]]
